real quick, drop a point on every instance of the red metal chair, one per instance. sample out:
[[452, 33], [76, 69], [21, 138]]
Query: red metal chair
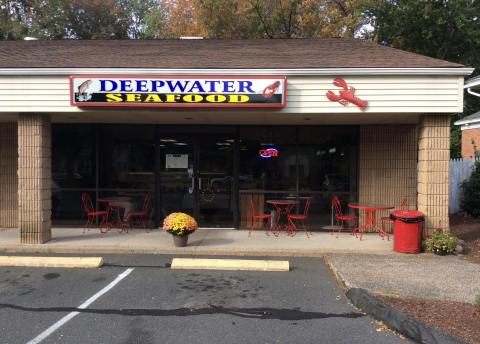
[[142, 214], [301, 218], [92, 214], [385, 220], [259, 218], [340, 218]]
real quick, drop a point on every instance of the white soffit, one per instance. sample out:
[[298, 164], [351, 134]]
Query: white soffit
[[299, 72]]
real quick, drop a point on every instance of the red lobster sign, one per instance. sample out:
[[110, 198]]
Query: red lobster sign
[[346, 95]]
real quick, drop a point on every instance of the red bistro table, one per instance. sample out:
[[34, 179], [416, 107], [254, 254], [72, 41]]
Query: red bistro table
[[370, 217], [282, 207], [115, 210]]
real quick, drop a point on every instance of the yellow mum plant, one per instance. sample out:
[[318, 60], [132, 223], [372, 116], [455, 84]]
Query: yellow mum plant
[[179, 224]]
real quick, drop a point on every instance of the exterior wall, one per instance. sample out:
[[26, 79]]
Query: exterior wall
[[8, 175], [385, 94], [34, 178], [433, 165], [388, 165], [470, 142]]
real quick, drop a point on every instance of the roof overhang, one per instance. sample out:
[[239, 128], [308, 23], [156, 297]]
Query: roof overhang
[[299, 72]]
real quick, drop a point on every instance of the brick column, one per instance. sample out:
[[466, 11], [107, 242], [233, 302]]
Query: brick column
[[433, 165], [34, 178]]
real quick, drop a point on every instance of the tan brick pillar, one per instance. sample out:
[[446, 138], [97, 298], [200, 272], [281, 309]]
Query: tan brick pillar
[[433, 165], [34, 178]]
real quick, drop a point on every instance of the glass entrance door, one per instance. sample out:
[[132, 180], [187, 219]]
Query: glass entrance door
[[196, 177], [177, 175], [215, 180]]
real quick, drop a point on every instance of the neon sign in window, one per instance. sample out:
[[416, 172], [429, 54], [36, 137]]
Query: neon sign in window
[[268, 153]]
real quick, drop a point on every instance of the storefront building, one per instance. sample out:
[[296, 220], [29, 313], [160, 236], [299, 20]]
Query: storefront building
[[206, 126]]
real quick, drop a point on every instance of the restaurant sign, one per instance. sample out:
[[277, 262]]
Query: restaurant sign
[[178, 91]]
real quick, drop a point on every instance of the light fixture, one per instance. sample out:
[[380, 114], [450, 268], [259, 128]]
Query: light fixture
[[180, 144], [168, 140]]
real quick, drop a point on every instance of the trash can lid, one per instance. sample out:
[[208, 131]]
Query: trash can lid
[[407, 214]]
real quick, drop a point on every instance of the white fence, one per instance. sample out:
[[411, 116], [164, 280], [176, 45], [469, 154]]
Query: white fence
[[460, 170]]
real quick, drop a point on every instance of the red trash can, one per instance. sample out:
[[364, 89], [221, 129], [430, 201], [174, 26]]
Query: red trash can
[[407, 230]]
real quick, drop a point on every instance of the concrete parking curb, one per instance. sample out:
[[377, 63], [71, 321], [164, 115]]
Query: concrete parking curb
[[52, 262], [398, 321], [230, 264]]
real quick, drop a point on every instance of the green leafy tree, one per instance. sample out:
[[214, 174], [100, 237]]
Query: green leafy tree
[[471, 193], [137, 12], [97, 19]]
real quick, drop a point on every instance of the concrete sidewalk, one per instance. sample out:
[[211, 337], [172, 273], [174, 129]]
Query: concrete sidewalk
[[202, 242], [423, 276]]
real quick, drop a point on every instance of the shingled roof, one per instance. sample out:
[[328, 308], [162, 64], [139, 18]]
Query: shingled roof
[[242, 54]]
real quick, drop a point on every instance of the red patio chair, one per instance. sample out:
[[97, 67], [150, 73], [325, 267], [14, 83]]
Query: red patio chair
[[92, 214], [385, 220], [142, 214], [301, 218], [259, 218], [340, 218]]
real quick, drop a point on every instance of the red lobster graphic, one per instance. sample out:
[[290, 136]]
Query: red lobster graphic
[[346, 96], [269, 91]]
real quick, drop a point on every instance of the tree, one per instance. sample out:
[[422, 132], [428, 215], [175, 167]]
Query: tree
[[444, 29], [339, 18], [14, 17], [227, 19], [181, 18], [137, 13], [97, 19]]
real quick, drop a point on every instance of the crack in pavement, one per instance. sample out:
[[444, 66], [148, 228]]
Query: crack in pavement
[[256, 313]]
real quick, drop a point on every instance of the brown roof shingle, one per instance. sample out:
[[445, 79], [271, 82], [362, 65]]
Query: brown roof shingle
[[255, 53]]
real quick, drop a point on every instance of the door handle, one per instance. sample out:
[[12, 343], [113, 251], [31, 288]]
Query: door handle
[[199, 183]]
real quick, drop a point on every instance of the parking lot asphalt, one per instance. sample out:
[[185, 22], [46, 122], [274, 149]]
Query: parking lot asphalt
[[150, 303]]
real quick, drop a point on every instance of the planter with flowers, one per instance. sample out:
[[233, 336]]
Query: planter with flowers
[[179, 225], [441, 243]]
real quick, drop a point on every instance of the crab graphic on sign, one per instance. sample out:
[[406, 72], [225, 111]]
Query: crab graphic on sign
[[346, 95]]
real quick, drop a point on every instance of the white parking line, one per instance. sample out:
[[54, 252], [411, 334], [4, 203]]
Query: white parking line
[[84, 305]]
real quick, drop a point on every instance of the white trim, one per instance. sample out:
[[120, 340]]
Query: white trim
[[206, 71], [470, 126], [472, 82]]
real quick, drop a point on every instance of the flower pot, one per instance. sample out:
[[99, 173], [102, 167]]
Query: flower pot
[[180, 241]]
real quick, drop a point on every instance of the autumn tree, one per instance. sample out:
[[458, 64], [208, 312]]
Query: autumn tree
[[335, 18]]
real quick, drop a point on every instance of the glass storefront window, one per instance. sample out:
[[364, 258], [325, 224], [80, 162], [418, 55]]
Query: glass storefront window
[[127, 157], [196, 168], [73, 169], [268, 158]]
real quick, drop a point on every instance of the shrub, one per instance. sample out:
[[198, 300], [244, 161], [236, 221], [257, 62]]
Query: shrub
[[179, 224], [440, 243], [477, 303], [471, 193]]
